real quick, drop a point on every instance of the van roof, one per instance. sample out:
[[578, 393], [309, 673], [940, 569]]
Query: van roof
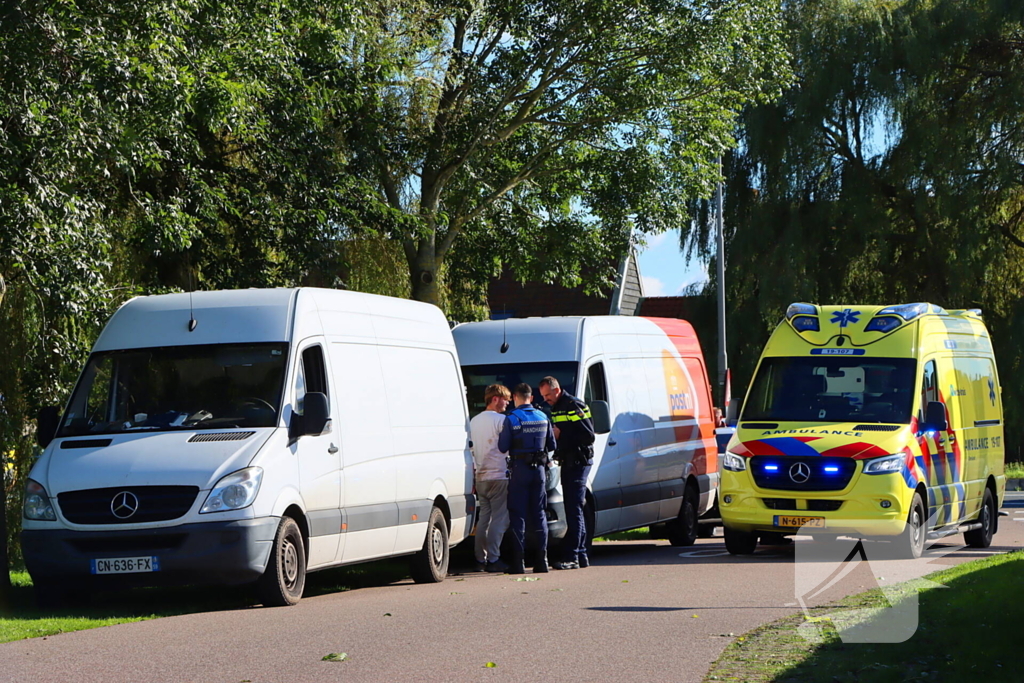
[[528, 339]]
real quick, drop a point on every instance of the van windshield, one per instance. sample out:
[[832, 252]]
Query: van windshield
[[215, 386], [833, 389], [477, 377]]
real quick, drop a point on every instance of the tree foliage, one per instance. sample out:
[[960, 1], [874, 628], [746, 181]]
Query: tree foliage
[[891, 172]]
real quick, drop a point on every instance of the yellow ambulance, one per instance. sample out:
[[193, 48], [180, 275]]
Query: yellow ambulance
[[883, 422]]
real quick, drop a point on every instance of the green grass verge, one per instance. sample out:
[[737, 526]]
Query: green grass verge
[[968, 630], [24, 620], [1015, 470], [641, 534]]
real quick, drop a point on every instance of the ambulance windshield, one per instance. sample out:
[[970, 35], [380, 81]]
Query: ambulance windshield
[[213, 386], [477, 377], [833, 389]]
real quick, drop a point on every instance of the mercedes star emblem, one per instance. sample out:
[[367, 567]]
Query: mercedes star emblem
[[800, 473], [124, 505]]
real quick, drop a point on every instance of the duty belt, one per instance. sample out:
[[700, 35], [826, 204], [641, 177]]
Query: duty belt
[[528, 456]]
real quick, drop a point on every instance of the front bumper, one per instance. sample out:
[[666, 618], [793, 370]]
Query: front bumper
[[860, 512], [210, 553]]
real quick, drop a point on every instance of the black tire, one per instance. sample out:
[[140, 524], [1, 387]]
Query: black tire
[[740, 542], [982, 538], [683, 530], [284, 579], [51, 595], [430, 564], [909, 545]]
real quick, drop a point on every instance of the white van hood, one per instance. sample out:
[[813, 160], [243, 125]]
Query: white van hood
[[149, 459]]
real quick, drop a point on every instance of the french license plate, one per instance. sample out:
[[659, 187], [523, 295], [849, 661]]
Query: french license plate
[[790, 521], [126, 565]]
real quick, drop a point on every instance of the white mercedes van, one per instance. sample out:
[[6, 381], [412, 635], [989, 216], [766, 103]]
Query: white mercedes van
[[655, 456], [249, 437]]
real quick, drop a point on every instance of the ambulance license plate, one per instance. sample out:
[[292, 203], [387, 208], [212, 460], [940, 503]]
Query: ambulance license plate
[[789, 521], [126, 565]]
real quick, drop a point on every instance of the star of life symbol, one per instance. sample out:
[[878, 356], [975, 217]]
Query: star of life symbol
[[845, 317], [829, 569], [992, 390]]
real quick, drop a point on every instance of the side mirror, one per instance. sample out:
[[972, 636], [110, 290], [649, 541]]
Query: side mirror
[[935, 417], [314, 418], [46, 426], [732, 412], [602, 415]]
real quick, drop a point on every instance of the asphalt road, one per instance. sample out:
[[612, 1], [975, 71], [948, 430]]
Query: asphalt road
[[645, 611]]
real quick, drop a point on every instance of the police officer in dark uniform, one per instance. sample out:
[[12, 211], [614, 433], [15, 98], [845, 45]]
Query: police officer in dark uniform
[[527, 436], [574, 430]]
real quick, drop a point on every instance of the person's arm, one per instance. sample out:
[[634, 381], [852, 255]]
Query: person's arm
[[505, 437]]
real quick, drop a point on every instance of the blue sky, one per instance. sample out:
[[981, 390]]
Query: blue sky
[[663, 268]]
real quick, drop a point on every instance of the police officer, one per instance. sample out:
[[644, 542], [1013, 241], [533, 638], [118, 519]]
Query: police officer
[[574, 430], [527, 436]]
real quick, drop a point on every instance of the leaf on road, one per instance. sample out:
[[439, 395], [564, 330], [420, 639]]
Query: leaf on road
[[625, 581], [490, 665], [527, 578], [557, 590], [695, 616], [336, 657], [387, 614], [455, 593]]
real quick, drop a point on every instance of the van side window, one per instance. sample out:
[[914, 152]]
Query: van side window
[[311, 376], [929, 387], [596, 389]]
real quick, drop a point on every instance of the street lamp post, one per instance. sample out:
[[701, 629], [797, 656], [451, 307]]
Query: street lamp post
[[723, 358]]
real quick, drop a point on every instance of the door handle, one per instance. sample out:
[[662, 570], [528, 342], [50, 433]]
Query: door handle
[[333, 449], [611, 442]]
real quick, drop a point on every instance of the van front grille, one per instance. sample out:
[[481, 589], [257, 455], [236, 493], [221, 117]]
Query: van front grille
[[127, 505], [802, 473], [780, 503]]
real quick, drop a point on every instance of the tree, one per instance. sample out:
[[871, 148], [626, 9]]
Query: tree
[[539, 133], [890, 172]]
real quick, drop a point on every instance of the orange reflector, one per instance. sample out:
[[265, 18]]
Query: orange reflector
[[344, 526], [415, 517]]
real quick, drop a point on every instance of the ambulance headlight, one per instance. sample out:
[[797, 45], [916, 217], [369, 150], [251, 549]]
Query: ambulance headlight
[[733, 462], [885, 465], [37, 503], [235, 491]]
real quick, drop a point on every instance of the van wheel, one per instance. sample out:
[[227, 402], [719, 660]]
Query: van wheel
[[910, 543], [284, 579], [683, 530], [740, 542], [982, 538], [430, 564]]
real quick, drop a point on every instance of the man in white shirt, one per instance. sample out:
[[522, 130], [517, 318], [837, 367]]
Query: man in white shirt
[[491, 474]]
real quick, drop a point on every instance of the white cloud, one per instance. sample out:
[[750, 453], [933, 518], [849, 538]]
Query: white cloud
[[653, 286]]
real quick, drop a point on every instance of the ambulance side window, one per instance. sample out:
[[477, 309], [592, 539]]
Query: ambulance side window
[[311, 376], [929, 387], [596, 389]]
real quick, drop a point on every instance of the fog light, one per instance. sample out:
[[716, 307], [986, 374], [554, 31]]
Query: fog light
[[886, 504], [727, 499]]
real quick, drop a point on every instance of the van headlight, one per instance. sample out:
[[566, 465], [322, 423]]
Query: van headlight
[[235, 491], [885, 464], [733, 462], [37, 503]]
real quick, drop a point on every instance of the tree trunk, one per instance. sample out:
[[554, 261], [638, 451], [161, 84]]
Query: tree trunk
[[5, 572], [424, 269]]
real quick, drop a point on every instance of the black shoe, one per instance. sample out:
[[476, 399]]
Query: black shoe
[[481, 566], [496, 567], [517, 567], [583, 561], [541, 565], [567, 565]]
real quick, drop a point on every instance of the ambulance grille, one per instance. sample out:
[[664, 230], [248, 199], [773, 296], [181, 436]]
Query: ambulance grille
[[151, 503], [779, 503], [876, 428], [802, 473]]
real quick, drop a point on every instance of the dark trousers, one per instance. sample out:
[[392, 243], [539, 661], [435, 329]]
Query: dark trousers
[[527, 505], [574, 493]]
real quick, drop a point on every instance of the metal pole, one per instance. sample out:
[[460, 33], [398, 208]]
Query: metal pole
[[723, 359]]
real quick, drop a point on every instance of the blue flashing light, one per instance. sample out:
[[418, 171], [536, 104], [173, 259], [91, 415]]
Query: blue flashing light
[[771, 468], [805, 323], [883, 324], [801, 309], [831, 469], [910, 311]]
